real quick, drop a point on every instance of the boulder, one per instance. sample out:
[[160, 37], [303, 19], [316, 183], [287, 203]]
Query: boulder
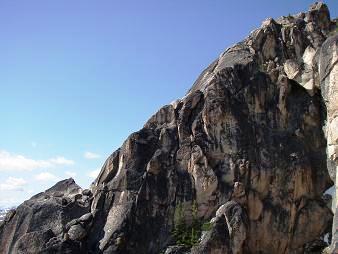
[[77, 232]]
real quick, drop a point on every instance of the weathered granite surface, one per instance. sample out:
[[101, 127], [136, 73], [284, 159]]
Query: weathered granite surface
[[328, 76], [253, 144]]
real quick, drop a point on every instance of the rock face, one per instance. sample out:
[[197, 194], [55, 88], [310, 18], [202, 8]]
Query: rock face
[[246, 145], [328, 75]]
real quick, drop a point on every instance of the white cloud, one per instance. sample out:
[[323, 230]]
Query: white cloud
[[16, 162], [91, 156], [70, 173], [20, 163], [94, 173], [46, 176], [61, 161], [13, 184], [6, 202]]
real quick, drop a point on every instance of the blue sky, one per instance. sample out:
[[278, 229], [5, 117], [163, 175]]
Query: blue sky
[[77, 77]]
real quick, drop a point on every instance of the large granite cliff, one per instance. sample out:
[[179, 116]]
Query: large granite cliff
[[253, 147]]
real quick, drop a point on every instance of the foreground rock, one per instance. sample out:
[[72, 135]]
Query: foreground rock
[[37, 226], [246, 145], [229, 228]]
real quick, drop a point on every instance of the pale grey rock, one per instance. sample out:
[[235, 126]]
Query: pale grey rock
[[328, 70], [86, 217], [77, 232], [43, 217]]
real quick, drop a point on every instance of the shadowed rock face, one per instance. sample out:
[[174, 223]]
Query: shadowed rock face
[[247, 139]]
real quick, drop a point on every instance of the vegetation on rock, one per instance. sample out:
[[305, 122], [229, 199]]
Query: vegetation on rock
[[185, 233]]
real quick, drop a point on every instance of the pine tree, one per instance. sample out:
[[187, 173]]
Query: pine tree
[[196, 225], [187, 235], [179, 224]]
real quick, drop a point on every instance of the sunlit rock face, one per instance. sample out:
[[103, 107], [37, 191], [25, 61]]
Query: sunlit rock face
[[250, 145], [328, 76]]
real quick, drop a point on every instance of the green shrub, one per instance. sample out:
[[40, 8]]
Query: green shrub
[[206, 226], [185, 234]]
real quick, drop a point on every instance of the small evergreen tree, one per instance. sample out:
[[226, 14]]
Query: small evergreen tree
[[196, 225], [184, 234], [179, 224]]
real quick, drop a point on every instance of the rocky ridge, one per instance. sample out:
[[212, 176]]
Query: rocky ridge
[[253, 144], [3, 212]]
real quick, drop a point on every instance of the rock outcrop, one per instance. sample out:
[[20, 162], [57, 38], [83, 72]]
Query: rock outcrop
[[250, 144], [39, 225]]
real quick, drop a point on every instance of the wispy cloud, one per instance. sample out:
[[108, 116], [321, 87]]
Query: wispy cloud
[[93, 174], [16, 162], [91, 156], [46, 176], [13, 184], [70, 173], [61, 161], [7, 202]]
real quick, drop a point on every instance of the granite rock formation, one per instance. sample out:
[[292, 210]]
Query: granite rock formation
[[328, 76], [253, 144]]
